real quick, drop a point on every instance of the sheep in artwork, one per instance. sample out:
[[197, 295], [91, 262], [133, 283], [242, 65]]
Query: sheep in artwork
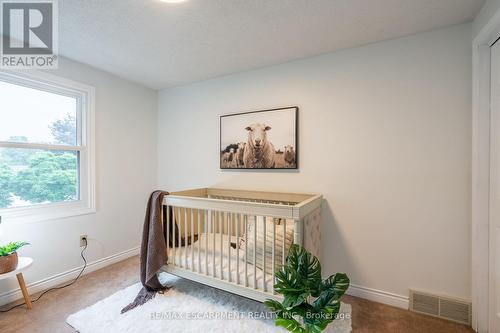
[[259, 152], [228, 158], [225, 158], [232, 157], [239, 154], [289, 156]]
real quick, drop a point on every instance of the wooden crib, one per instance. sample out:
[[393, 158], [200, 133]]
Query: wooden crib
[[236, 240]]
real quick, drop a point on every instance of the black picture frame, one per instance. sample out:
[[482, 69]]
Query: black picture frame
[[295, 145]]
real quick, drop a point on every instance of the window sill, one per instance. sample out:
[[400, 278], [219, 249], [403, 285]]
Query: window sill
[[46, 212]]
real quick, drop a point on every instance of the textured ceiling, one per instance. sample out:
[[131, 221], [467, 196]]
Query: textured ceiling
[[162, 45]]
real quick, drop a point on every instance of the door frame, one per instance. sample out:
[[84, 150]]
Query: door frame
[[481, 171]]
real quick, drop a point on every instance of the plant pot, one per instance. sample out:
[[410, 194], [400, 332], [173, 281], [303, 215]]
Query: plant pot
[[8, 263]]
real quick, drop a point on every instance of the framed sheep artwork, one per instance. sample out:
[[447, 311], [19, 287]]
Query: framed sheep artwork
[[264, 139]]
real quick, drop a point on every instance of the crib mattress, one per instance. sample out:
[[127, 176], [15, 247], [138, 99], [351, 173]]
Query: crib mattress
[[208, 262]]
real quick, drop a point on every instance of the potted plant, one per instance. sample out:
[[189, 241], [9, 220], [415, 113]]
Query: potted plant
[[309, 303], [8, 256]]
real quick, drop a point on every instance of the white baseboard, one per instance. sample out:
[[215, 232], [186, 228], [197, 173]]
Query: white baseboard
[[44, 284], [379, 296], [57, 279]]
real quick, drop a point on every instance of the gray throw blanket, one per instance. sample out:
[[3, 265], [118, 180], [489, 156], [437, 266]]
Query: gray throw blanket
[[153, 251], [154, 248]]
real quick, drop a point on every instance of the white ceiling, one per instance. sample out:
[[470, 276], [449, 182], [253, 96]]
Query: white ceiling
[[162, 45]]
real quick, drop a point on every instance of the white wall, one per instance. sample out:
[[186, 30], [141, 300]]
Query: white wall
[[489, 9], [385, 136], [126, 162]]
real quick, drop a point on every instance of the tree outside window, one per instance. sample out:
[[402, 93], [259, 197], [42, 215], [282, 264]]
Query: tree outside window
[[30, 176]]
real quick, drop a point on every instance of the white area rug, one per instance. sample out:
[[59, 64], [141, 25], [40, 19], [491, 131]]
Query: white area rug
[[187, 307]]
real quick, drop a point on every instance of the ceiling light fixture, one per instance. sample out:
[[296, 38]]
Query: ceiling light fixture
[[172, 1]]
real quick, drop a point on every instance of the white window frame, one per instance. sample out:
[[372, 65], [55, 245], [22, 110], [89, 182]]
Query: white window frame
[[481, 124], [85, 95]]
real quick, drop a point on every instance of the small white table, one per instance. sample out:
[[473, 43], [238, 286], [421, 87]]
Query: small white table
[[23, 263]]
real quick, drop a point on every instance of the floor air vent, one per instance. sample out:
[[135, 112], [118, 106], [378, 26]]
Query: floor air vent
[[439, 306]]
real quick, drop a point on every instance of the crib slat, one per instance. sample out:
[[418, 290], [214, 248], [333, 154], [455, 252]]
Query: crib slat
[[179, 239], [214, 215], [284, 241], [245, 219], [238, 220], [199, 241], [168, 229], [264, 284], [229, 228], [221, 229], [273, 254], [174, 224], [255, 253], [192, 240], [185, 238], [205, 230]]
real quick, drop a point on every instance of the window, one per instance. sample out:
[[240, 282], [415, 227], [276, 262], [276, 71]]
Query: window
[[46, 147]]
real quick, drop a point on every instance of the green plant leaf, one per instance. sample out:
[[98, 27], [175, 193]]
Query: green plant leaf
[[336, 283], [294, 299], [317, 326], [307, 266], [301, 310], [275, 306], [287, 280], [11, 248], [332, 310], [318, 320], [293, 256], [290, 324], [310, 270], [332, 290]]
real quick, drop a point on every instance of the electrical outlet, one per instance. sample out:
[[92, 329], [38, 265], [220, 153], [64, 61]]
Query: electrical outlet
[[83, 240]]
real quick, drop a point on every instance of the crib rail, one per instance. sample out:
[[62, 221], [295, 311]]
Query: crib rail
[[233, 206], [281, 205], [269, 201]]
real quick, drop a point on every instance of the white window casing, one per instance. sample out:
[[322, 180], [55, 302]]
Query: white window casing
[[85, 145]]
